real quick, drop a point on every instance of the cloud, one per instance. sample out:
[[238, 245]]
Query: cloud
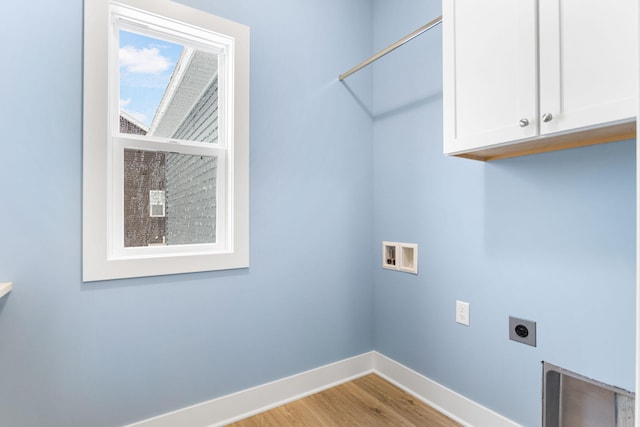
[[141, 117], [143, 61]]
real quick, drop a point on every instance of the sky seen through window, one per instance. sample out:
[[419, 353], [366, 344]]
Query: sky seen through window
[[146, 65]]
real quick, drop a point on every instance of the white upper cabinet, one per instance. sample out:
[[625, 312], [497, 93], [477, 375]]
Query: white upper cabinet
[[587, 62], [490, 73], [528, 76]]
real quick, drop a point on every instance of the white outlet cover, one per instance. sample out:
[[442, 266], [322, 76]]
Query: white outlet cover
[[408, 257], [390, 255], [400, 256], [462, 313]]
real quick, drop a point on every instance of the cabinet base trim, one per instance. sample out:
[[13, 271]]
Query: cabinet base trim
[[617, 132]]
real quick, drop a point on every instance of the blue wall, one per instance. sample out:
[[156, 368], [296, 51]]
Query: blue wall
[[549, 237], [334, 171], [106, 354]]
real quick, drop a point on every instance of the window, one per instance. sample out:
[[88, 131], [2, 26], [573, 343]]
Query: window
[[165, 163], [156, 204]]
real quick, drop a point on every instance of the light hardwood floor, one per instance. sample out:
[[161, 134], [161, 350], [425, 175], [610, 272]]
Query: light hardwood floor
[[367, 401]]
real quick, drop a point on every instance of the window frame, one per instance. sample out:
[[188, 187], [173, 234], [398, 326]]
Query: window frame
[[104, 256]]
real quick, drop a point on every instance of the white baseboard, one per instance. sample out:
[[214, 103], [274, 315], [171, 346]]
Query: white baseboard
[[236, 406], [450, 403]]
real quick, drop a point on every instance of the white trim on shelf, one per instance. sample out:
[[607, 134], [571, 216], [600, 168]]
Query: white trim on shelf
[[637, 378], [5, 288]]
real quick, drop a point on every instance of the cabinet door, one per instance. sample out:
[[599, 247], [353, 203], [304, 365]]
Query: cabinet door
[[588, 68], [490, 72]]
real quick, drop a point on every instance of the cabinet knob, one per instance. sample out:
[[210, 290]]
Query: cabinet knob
[[547, 117], [524, 123]]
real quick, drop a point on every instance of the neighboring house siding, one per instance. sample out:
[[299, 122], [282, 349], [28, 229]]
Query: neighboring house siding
[[143, 171], [191, 199], [201, 124], [193, 75], [191, 180]]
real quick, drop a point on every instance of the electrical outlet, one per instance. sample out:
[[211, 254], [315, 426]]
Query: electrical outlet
[[521, 330], [462, 312]]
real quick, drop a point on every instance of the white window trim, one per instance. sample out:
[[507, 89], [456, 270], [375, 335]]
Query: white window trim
[[99, 263]]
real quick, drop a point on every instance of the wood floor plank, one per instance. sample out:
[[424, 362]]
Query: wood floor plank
[[413, 411], [367, 401]]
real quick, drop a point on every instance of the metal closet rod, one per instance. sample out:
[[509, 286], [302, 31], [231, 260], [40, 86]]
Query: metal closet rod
[[391, 48]]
